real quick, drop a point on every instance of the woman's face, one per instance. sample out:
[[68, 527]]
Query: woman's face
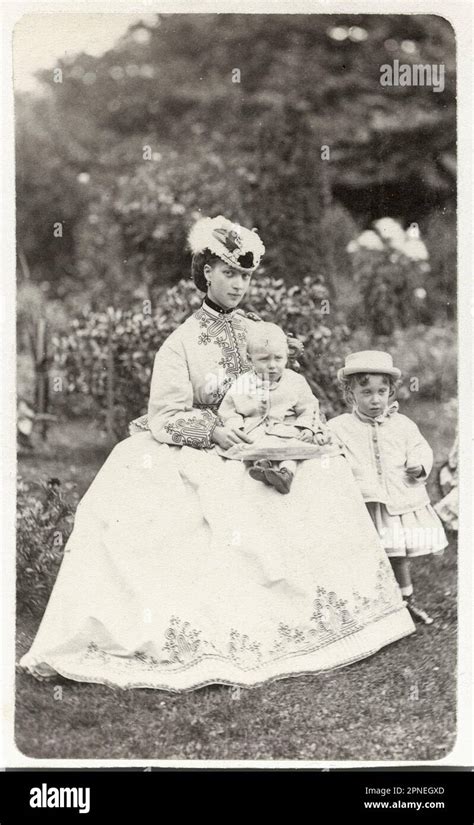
[[226, 284]]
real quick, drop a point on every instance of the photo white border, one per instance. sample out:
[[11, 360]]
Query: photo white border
[[459, 14]]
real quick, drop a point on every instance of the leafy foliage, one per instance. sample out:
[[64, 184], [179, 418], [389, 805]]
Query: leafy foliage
[[44, 522], [250, 149], [396, 282], [135, 335], [392, 291]]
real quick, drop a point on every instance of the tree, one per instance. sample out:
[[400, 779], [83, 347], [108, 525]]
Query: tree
[[288, 198], [234, 147]]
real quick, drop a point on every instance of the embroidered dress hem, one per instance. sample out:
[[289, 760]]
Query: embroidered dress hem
[[98, 667]]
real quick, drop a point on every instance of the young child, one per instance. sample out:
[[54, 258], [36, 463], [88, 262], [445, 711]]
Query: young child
[[391, 462], [274, 401]]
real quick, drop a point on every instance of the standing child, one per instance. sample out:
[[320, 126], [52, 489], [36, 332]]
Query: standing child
[[391, 462], [271, 400]]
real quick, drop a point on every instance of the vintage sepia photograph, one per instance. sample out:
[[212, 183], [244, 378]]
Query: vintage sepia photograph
[[237, 361]]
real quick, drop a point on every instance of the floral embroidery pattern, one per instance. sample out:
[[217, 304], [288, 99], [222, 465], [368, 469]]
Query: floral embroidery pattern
[[182, 642], [243, 651], [332, 619]]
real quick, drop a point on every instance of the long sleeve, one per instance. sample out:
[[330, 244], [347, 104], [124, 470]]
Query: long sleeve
[[171, 416], [307, 408], [339, 433], [228, 413], [418, 451]]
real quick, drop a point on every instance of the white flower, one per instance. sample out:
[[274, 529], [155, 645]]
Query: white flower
[[413, 231], [399, 244], [357, 34], [408, 46], [415, 249], [370, 240], [338, 33], [390, 229], [352, 246], [420, 293]]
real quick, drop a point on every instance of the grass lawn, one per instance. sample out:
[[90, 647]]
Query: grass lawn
[[399, 704]]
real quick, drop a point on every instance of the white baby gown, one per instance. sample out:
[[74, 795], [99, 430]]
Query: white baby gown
[[182, 571]]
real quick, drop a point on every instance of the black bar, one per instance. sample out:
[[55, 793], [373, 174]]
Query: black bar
[[144, 794]]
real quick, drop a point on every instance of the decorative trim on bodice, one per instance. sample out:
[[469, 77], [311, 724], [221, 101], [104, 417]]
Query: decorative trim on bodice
[[193, 431], [228, 333]]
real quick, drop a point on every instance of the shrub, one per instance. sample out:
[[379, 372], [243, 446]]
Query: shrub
[[44, 523], [135, 336], [392, 273], [440, 231]]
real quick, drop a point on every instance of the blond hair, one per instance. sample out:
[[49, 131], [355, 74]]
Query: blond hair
[[265, 334]]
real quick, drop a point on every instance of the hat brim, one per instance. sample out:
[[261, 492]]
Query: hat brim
[[344, 372], [228, 259]]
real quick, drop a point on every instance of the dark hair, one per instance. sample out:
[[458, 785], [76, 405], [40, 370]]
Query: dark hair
[[199, 261], [362, 378]]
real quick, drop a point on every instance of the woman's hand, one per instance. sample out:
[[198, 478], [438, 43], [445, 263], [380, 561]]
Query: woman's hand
[[226, 437], [305, 435]]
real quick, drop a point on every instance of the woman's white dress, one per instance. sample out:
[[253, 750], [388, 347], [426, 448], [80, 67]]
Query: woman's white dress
[[183, 571]]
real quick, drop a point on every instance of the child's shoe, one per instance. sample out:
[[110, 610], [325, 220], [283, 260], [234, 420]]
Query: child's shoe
[[280, 479], [417, 612], [258, 470]]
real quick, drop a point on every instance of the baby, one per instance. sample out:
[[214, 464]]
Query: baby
[[272, 400]]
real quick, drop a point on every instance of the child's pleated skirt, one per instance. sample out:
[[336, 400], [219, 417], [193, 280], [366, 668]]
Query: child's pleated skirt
[[417, 533]]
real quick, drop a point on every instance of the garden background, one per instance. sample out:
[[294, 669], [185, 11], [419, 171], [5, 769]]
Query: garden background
[[279, 122]]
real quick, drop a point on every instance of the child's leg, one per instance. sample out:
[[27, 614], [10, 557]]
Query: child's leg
[[401, 571], [288, 464], [257, 470], [400, 564], [281, 474]]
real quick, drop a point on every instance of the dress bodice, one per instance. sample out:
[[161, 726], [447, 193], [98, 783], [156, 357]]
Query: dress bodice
[[192, 371], [215, 346]]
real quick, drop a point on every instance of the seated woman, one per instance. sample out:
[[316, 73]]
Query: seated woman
[[181, 571]]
